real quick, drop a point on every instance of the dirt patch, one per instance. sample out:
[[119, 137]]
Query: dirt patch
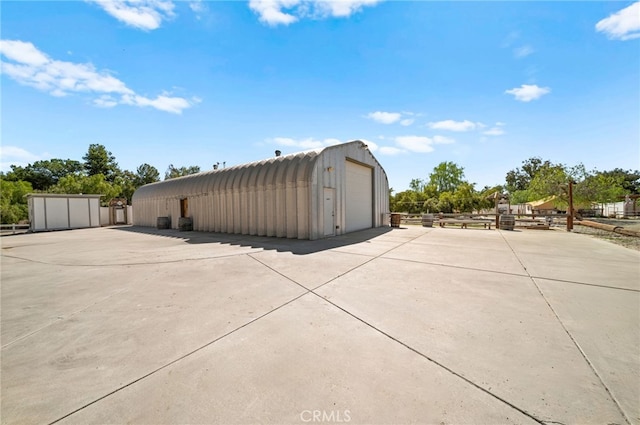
[[630, 242]]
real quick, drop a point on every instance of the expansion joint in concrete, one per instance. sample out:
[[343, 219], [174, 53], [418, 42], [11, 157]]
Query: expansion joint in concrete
[[166, 365], [571, 337], [437, 363]]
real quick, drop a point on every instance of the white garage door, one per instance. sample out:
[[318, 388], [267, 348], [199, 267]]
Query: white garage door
[[359, 203]]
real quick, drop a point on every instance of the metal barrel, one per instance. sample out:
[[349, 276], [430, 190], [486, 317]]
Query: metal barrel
[[185, 224]]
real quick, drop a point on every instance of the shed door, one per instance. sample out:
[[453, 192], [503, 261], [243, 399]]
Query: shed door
[[359, 202], [184, 207], [120, 216], [329, 213]]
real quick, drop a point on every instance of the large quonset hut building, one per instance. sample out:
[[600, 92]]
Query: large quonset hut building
[[307, 195]]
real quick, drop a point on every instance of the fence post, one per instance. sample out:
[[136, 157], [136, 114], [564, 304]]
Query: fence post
[[570, 215]]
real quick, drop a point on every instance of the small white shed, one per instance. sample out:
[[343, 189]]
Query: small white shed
[[52, 211]]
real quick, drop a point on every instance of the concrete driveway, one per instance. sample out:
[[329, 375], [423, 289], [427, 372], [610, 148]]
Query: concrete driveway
[[386, 326]]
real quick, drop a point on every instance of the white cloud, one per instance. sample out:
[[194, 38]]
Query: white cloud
[[495, 131], [522, 51], [13, 155], [452, 125], [385, 117], [404, 118], [407, 122], [57, 77], [141, 14], [311, 143], [198, 7], [105, 101], [285, 12], [510, 39], [270, 11], [17, 153], [33, 68], [419, 144], [622, 25], [24, 53], [163, 102], [390, 150], [308, 143], [527, 93], [441, 140], [341, 8]]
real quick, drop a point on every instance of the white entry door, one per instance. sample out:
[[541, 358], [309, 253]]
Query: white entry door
[[329, 212]]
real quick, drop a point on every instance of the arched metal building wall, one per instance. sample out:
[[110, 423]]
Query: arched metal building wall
[[281, 196]]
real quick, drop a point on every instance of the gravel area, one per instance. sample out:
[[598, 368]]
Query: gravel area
[[630, 242]]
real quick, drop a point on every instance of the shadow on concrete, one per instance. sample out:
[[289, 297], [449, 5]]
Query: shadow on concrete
[[295, 246]]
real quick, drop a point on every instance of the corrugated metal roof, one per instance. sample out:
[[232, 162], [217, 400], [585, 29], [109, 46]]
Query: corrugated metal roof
[[277, 170]]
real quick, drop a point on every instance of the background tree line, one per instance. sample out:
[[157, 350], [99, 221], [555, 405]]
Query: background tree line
[[97, 173], [447, 191]]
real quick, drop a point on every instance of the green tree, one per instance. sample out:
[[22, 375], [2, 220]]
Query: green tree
[[600, 187], [146, 174], [126, 180], [417, 185], [520, 179], [408, 201], [550, 181], [392, 200], [630, 179], [44, 174], [446, 177], [95, 184], [173, 172], [430, 191], [521, 197], [98, 160], [13, 204], [430, 205], [465, 198], [129, 181], [588, 187], [446, 202]]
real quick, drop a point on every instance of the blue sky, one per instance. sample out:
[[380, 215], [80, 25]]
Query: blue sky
[[486, 85]]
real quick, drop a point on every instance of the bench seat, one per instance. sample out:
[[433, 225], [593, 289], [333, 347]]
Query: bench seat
[[464, 222]]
